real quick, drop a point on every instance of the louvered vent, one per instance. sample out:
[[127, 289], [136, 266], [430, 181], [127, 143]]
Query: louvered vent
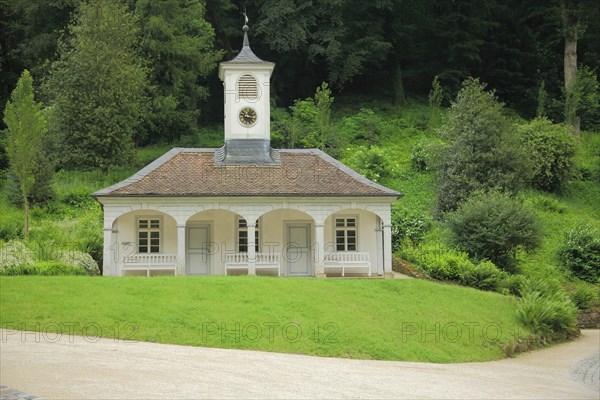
[[247, 87]]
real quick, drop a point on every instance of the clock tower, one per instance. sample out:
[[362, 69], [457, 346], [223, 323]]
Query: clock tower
[[247, 101]]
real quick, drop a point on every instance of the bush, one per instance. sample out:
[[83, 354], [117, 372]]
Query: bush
[[513, 284], [441, 262], [551, 315], [46, 268], [81, 260], [583, 296], [483, 276], [551, 150], [372, 162], [424, 155], [364, 127], [408, 225], [11, 225], [13, 254], [494, 226], [581, 253], [483, 153]]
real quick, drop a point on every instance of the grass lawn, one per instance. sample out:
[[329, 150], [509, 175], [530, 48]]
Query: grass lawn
[[372, 319]]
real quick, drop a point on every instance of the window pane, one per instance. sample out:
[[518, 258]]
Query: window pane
[[154, 242], [340, 233], [339, 222], [154, 249], [351, 247], [143, 223], [351, 222], [340, 241], [155, 223], [243, 248], [351, 233], [340, 247], [155, 235], [143, 249], [242, 223], [243, 234], [143, 235], [351, 240]]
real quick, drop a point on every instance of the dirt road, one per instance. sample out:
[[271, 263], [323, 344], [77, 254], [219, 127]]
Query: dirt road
[[72, 367]]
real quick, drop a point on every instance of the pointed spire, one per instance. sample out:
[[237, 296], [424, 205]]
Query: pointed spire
[[246, 29]]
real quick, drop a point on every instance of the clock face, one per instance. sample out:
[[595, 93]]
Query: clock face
[[247, 116]]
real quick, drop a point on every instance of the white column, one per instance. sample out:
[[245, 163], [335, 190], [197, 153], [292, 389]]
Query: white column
[[251, 249], [181, 250], [379, 245], [387, 249], [320, 249], [107, 255]]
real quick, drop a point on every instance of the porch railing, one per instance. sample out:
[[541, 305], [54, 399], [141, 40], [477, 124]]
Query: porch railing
[[261, 261], [150, 263], [348, 260]]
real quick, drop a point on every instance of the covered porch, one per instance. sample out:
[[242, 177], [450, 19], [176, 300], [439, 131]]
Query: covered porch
[[233, 239]]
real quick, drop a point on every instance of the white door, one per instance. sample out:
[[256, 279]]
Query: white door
[[298, 257], [198, 257]]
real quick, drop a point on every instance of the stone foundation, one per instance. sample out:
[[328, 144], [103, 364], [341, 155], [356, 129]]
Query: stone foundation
[[589, 319]]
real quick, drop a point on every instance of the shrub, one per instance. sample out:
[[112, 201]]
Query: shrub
[[372, 162], [581, 252], [364, 127], [550, 149], [44, 268], [513, 284], [551, 315], [424, 155], [14, 254], [82, 260], [441, 262], [483, 153], [494, 226], [408, 225], [583, 296], [11, 225], [483, 276]]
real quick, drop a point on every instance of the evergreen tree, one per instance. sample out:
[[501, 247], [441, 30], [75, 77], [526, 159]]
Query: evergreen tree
[[482, 153], [180, 45], [98, 86], [26, 128]]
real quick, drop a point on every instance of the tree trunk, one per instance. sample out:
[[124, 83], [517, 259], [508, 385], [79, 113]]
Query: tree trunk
[[570, 25], [26, 226], [398, 85]]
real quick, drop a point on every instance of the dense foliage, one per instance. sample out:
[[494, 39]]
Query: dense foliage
[[550, 150], [493, 226], [26, 129], [98, 86], [482, 154], [580, 252]]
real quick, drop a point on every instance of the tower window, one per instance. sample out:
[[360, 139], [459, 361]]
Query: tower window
[[248, 87]]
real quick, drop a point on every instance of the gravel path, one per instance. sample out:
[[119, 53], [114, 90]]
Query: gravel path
[[73, 367]]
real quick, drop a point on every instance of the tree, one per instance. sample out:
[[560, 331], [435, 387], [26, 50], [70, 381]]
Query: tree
[[98, 86], [493, 226], [180, 46], [26, 128], [482, 153], [323, 102]]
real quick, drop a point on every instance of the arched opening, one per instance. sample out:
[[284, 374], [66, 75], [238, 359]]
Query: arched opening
[[144, 243], [289, 235], [353, 243]]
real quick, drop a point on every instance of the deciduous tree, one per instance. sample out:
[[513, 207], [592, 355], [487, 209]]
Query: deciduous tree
[[26, 128]]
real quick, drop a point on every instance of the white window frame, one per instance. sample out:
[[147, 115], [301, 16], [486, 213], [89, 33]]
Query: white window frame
[[149, 230], [345, 229], [257, 235]]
